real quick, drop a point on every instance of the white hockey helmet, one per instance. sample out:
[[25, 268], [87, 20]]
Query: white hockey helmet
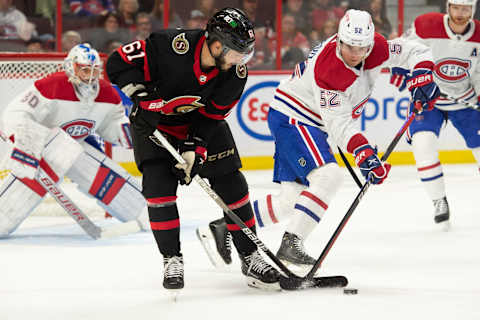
[[472, 3], [356, 29], [84, 56]]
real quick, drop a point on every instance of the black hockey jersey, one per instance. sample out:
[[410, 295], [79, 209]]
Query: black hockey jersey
[[182, 96]]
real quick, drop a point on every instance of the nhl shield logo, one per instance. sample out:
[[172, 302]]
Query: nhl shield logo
[[302, 162], [179, 44], [241, 71]]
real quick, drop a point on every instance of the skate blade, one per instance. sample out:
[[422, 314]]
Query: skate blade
[[444, 225], [206, 238], [257, 284], [174, 294], [299, 269]]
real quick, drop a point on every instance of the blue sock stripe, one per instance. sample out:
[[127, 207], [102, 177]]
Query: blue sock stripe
[[257, 214], [307, 211], [432, 178]]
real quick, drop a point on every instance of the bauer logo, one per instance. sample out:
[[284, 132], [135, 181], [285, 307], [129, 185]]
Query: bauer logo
[[452, 69], [252, 109], [78, 129]]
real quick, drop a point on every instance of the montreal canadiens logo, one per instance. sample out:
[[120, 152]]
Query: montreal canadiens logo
[[452, 69], [78, 129], [358, 109]]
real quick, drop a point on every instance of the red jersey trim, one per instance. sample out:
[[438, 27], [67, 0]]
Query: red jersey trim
[[379, 54], [179, 132], [219, 107], [202, 77], [212, 116], [430, 25]]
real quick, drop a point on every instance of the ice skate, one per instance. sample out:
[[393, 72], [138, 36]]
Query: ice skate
[[173, 274], [442, 213], [221, 254], [292, 252], [259, 273]]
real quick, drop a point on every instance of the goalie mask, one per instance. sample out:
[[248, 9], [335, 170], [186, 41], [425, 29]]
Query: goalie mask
[[356, 29], [83, 67], [472, 3]]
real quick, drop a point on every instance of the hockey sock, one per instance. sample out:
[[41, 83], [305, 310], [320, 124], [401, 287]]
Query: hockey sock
[[165, 224], [424, 145], [233, 189], [275, 208], [313, 201]]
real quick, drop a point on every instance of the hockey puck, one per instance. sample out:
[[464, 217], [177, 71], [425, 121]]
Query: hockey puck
[[350, 291]]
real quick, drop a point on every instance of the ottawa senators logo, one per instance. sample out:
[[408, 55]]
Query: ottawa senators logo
[[179, 44], [452, 69], [241, 70]]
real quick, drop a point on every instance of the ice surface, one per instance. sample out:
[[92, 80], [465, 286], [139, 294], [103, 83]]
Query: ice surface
[[403, 267]]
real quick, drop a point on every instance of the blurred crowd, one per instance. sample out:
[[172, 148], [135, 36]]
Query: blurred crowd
[[29, 25]]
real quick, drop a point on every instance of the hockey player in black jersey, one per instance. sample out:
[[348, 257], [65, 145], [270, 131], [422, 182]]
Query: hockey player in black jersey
[[184, 83]]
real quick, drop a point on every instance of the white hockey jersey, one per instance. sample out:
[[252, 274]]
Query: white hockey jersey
[[52, 102], [327, 93], [457, 69]]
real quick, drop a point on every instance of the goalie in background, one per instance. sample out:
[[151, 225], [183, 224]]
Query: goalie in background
[[48, 124], [311, 105]]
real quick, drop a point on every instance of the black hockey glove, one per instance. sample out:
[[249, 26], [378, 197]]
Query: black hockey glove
[[194, 152]]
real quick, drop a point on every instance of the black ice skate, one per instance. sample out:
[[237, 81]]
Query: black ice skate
[[442, 213], [173, 272], [259, 273], [292, 251], [217, 231]]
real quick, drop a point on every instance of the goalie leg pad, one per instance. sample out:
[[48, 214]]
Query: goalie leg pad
[[275, 208], [61, 151], [424, 145], [18, 198], [101, 177], [313, 201]]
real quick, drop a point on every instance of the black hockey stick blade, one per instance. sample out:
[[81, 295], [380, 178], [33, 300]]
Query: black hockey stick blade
[[298, 283]]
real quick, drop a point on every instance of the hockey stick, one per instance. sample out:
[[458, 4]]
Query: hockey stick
[[335, 281], [294, 284], [461, 101], [75, 212], [349, 167]]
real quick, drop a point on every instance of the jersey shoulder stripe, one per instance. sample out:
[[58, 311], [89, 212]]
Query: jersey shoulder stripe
[[107, 93], [56, 86], [379, 52], [476, 34], [431, 25], [330, 72]]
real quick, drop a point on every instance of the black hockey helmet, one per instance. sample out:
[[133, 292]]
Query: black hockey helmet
[[233, 29]]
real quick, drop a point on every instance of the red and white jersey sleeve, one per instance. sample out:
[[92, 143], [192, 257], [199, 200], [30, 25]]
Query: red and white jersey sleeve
[[325, 92], [52, 102], [456, 71]]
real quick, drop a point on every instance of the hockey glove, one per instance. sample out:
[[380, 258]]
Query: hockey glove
[[194, 152], [399, 77], [370, 165], [423, 90]]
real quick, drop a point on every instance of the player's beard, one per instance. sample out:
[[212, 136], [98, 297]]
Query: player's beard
[[220, 63], [460, 21]]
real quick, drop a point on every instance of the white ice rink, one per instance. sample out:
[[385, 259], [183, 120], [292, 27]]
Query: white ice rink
[[402, 266]]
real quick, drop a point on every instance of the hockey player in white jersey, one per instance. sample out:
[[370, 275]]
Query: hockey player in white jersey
[[454, 38], [324, 97], [47, 125]]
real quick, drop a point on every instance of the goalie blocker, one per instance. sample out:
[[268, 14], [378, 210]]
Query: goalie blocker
[[97, 175]]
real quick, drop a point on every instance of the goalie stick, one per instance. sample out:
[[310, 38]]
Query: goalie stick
[[75, 212], [295, 284], [317, 282]]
